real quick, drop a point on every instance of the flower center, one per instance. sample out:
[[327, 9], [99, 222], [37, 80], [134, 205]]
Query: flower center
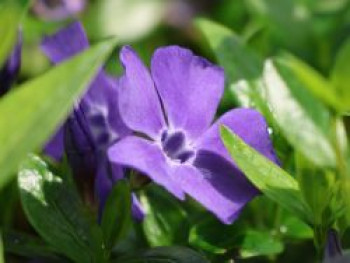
[[175, 147]]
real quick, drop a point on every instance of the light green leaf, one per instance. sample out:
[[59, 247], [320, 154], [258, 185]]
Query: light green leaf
[[164, 255], [116, 219], [10, 16], [166, 221], [268, 177], [303, 120], [31, 113], [260, 243], [341, 74], [54, 209]]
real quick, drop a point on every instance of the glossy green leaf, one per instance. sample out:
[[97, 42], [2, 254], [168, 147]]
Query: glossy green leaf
[[293, 227], [166, 221], [116, 219], [31, 113], [341, 74], [260, 243], [213, 236], [303, 120], [164, 255], [268, 177], [27, 246], [54, 209]]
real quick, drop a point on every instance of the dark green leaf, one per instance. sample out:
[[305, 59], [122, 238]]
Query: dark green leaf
[[164, 255], [30, 114], [259, 243], [269, 178], [54, 209], [27, 246], [304, 121], [165, 222], [2, 259], [213, 236], [116, 219]]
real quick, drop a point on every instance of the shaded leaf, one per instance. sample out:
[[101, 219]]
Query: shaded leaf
[[54, 209], [164, 255], [116, 219], [44, 102], [213, 236], [165, 222]]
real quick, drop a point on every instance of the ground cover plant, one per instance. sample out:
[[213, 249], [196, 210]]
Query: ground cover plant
[[174, 131]]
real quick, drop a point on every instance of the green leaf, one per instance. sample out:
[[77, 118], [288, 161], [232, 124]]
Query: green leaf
[[2, 258], [10, 16], [213, 236], [54, 209], [116, 219], [164, 255], [293, 227], [268, 177], [340, 75], [304, 121], [166, 221], [31, 113], [260, 243], [243, 68], [314, 82], [27, 246]]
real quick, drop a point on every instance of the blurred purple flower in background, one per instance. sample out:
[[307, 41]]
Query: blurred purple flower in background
[[11, 67], [94, 124], [333, 247], [57, 9], [171, 110]]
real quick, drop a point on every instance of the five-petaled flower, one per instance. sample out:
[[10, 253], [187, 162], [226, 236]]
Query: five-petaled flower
[[170, 110], [94, 123]]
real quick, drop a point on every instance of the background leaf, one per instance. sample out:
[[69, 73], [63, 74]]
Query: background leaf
[[44, 102], [2, 259], [53, 207], [116, 219], [164, 255], [266, 176]]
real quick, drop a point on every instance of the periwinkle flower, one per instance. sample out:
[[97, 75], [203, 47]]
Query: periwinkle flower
[[93, 125], [10, 69], [57, 9], [333, 247], [170, 110]]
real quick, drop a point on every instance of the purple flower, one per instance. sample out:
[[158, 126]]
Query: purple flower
[[10, 69], [171, 110], [93, 125], [57, 9], [333, 246]]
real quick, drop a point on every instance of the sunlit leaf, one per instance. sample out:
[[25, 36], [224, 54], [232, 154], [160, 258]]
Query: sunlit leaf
[[30, 114], [268, 177], [303, 120]]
